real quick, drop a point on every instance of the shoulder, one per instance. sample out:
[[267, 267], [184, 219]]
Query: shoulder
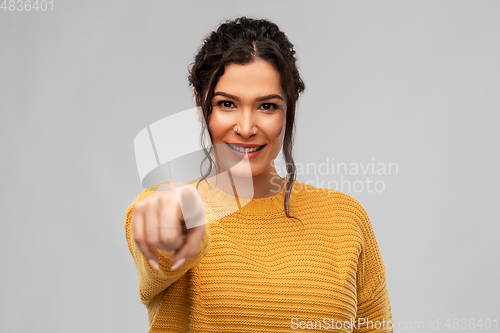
[[309, 192], [332, 200]]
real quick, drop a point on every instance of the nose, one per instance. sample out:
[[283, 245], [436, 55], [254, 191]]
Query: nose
[[246, 125]]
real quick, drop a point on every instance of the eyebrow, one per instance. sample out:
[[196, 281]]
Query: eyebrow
[[263, 98]]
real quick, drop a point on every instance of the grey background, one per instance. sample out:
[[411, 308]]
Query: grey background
[[414, 83]]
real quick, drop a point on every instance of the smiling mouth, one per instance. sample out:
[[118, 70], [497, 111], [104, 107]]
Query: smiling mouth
[[245, 150]]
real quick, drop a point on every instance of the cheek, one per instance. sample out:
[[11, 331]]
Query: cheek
[[216, 125], [277, 130]]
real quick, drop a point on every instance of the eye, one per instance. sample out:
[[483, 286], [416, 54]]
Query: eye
[[225, 104], [269, 106]]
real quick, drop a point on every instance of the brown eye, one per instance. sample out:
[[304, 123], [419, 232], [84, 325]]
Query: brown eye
[[225, 104], [269, 106]]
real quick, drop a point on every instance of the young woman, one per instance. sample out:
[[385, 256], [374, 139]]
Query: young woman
[[294, 256]]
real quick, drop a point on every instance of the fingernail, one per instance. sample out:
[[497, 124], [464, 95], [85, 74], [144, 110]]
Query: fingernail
[[153, 263], [178, 263]]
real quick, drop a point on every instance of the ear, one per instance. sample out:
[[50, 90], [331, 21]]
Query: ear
[[198, 109]]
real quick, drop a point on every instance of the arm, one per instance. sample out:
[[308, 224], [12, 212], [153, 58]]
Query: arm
[[152, 281], [374, 309]]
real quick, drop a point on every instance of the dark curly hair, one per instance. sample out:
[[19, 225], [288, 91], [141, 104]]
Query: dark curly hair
[[242, 41]]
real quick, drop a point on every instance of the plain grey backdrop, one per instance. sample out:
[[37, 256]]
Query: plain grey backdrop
[[412, 83]]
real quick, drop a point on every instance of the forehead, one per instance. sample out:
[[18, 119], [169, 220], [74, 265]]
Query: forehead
[[257, 78]]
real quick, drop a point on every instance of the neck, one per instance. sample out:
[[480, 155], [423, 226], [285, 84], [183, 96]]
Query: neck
[[265, 185]]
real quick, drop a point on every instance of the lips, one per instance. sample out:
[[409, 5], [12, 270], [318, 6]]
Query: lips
[[246, 145], [236, 147], [243, 155]]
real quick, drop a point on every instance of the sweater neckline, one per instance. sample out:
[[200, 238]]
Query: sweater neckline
[[254, 206]]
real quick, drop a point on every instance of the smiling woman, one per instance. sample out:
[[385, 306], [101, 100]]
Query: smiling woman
[[248, 114], [259, 268]]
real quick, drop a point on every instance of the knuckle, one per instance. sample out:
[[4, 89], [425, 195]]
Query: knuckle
[[168, 239], [139, 206], [170, 248], [164, 199], [138, 240], [152, 238], [153, 202], [171, 228], [145, 204], [154, 243]]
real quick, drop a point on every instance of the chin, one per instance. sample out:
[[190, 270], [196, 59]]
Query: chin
[[243, 170]]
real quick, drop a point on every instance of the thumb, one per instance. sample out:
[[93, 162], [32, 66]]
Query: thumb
[[192, 206]]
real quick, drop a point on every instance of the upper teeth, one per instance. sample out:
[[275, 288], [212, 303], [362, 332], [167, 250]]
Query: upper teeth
[[243, 150]]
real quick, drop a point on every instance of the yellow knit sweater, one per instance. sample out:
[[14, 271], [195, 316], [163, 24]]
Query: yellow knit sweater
[[258, 271]]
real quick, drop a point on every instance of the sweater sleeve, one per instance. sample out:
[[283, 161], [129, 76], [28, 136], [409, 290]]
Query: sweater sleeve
[[152, 281], [374, 309]]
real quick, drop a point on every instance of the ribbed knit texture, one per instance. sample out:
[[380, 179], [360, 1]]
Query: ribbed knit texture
[[256, 269]]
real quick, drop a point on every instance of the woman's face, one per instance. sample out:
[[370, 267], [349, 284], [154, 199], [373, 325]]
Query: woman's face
[[248, 97]]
